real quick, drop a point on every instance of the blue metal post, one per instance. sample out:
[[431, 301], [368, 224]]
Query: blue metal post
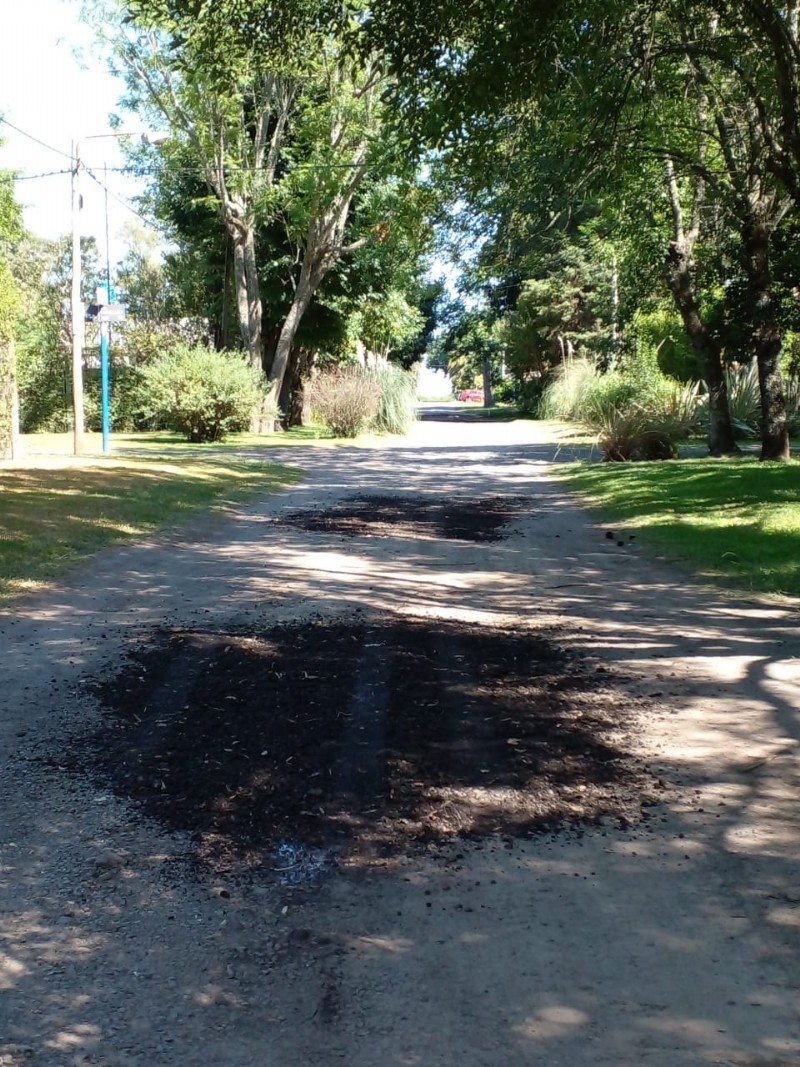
[[104, 390]]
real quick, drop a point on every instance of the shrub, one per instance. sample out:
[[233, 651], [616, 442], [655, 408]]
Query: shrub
[[792, 388], [199, 392], [636, 413], [45, 390], [397, 409], [505, 392], [636, 433], [640, 418], [125, 400], [661, 332], [744, 399], [564, 395], [345, 400], [790, 354]]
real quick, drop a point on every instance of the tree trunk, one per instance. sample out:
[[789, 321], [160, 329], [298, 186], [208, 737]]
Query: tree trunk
[[248, 303], [488, 399], [307, 285], [248, 295], [766, 342], [720, 431], [294, 400], [222, 333], [9, 409]]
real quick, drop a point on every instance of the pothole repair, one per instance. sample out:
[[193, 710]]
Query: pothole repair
[[363, 736], [480, 519]]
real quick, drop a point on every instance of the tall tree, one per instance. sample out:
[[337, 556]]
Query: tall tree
[[690, 85], [278, 137], [236, 131], [335, 143], [10, 231]]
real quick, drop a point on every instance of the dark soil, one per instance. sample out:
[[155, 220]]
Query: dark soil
[[363, 735], [480, 520]]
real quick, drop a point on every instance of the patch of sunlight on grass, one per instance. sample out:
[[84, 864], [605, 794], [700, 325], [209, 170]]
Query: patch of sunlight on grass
[[736, 521], [165, 442], [55, 515], [38, 447]]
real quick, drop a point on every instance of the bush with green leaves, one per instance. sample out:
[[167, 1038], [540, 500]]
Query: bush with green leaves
[[790, 355], [126, 400], [397, 406], [744, 400], [199, 392], [647, 425], [346, 399], [636, 413], [660, 331]]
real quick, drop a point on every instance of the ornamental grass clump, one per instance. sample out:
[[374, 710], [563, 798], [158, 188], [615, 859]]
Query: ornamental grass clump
[[201, 393], [397, 407], [744, 399], [636, 419], [563, 397], [345, 400]]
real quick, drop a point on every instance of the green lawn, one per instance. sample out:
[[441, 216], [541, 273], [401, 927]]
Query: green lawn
[[164, 442], [736, 521], [55, 512]]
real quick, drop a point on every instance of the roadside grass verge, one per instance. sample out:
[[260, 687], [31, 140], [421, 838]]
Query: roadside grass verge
[[165, 442], [734, 521], [56, 514], [159, 441]]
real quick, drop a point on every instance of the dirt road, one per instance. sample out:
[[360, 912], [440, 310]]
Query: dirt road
[[439, 880]]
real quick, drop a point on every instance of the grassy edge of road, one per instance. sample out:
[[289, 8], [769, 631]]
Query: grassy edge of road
[[735, 522], [56, 513]]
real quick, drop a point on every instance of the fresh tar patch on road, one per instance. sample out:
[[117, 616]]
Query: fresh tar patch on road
[[478, 519], [365, 735]]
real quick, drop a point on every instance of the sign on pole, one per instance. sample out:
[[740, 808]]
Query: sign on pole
[[111, 313]]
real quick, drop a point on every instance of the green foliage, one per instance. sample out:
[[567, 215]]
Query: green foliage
[[201, 393], [397, 407], [9, 301], [564, 395], [45, 390], [636, 413], [144, 341], [43, 328], [744, 400], [792, 392], [386, 321], [564, 305], [470, 338], [734, 520], [790, 354], [345, 400], [9, 297], [126, 400], [10, 229], [661, 332], [639, 419]]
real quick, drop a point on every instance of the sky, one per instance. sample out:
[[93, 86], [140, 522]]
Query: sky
[[56, 90]]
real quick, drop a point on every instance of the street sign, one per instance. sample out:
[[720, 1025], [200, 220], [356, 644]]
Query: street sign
[[111, 313], [105, 294]]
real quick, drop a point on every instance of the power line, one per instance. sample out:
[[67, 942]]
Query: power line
[[47, 174], [30, 137], [124, 203]]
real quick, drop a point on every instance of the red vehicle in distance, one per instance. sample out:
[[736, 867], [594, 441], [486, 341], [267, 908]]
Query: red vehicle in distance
[[474, 396]]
